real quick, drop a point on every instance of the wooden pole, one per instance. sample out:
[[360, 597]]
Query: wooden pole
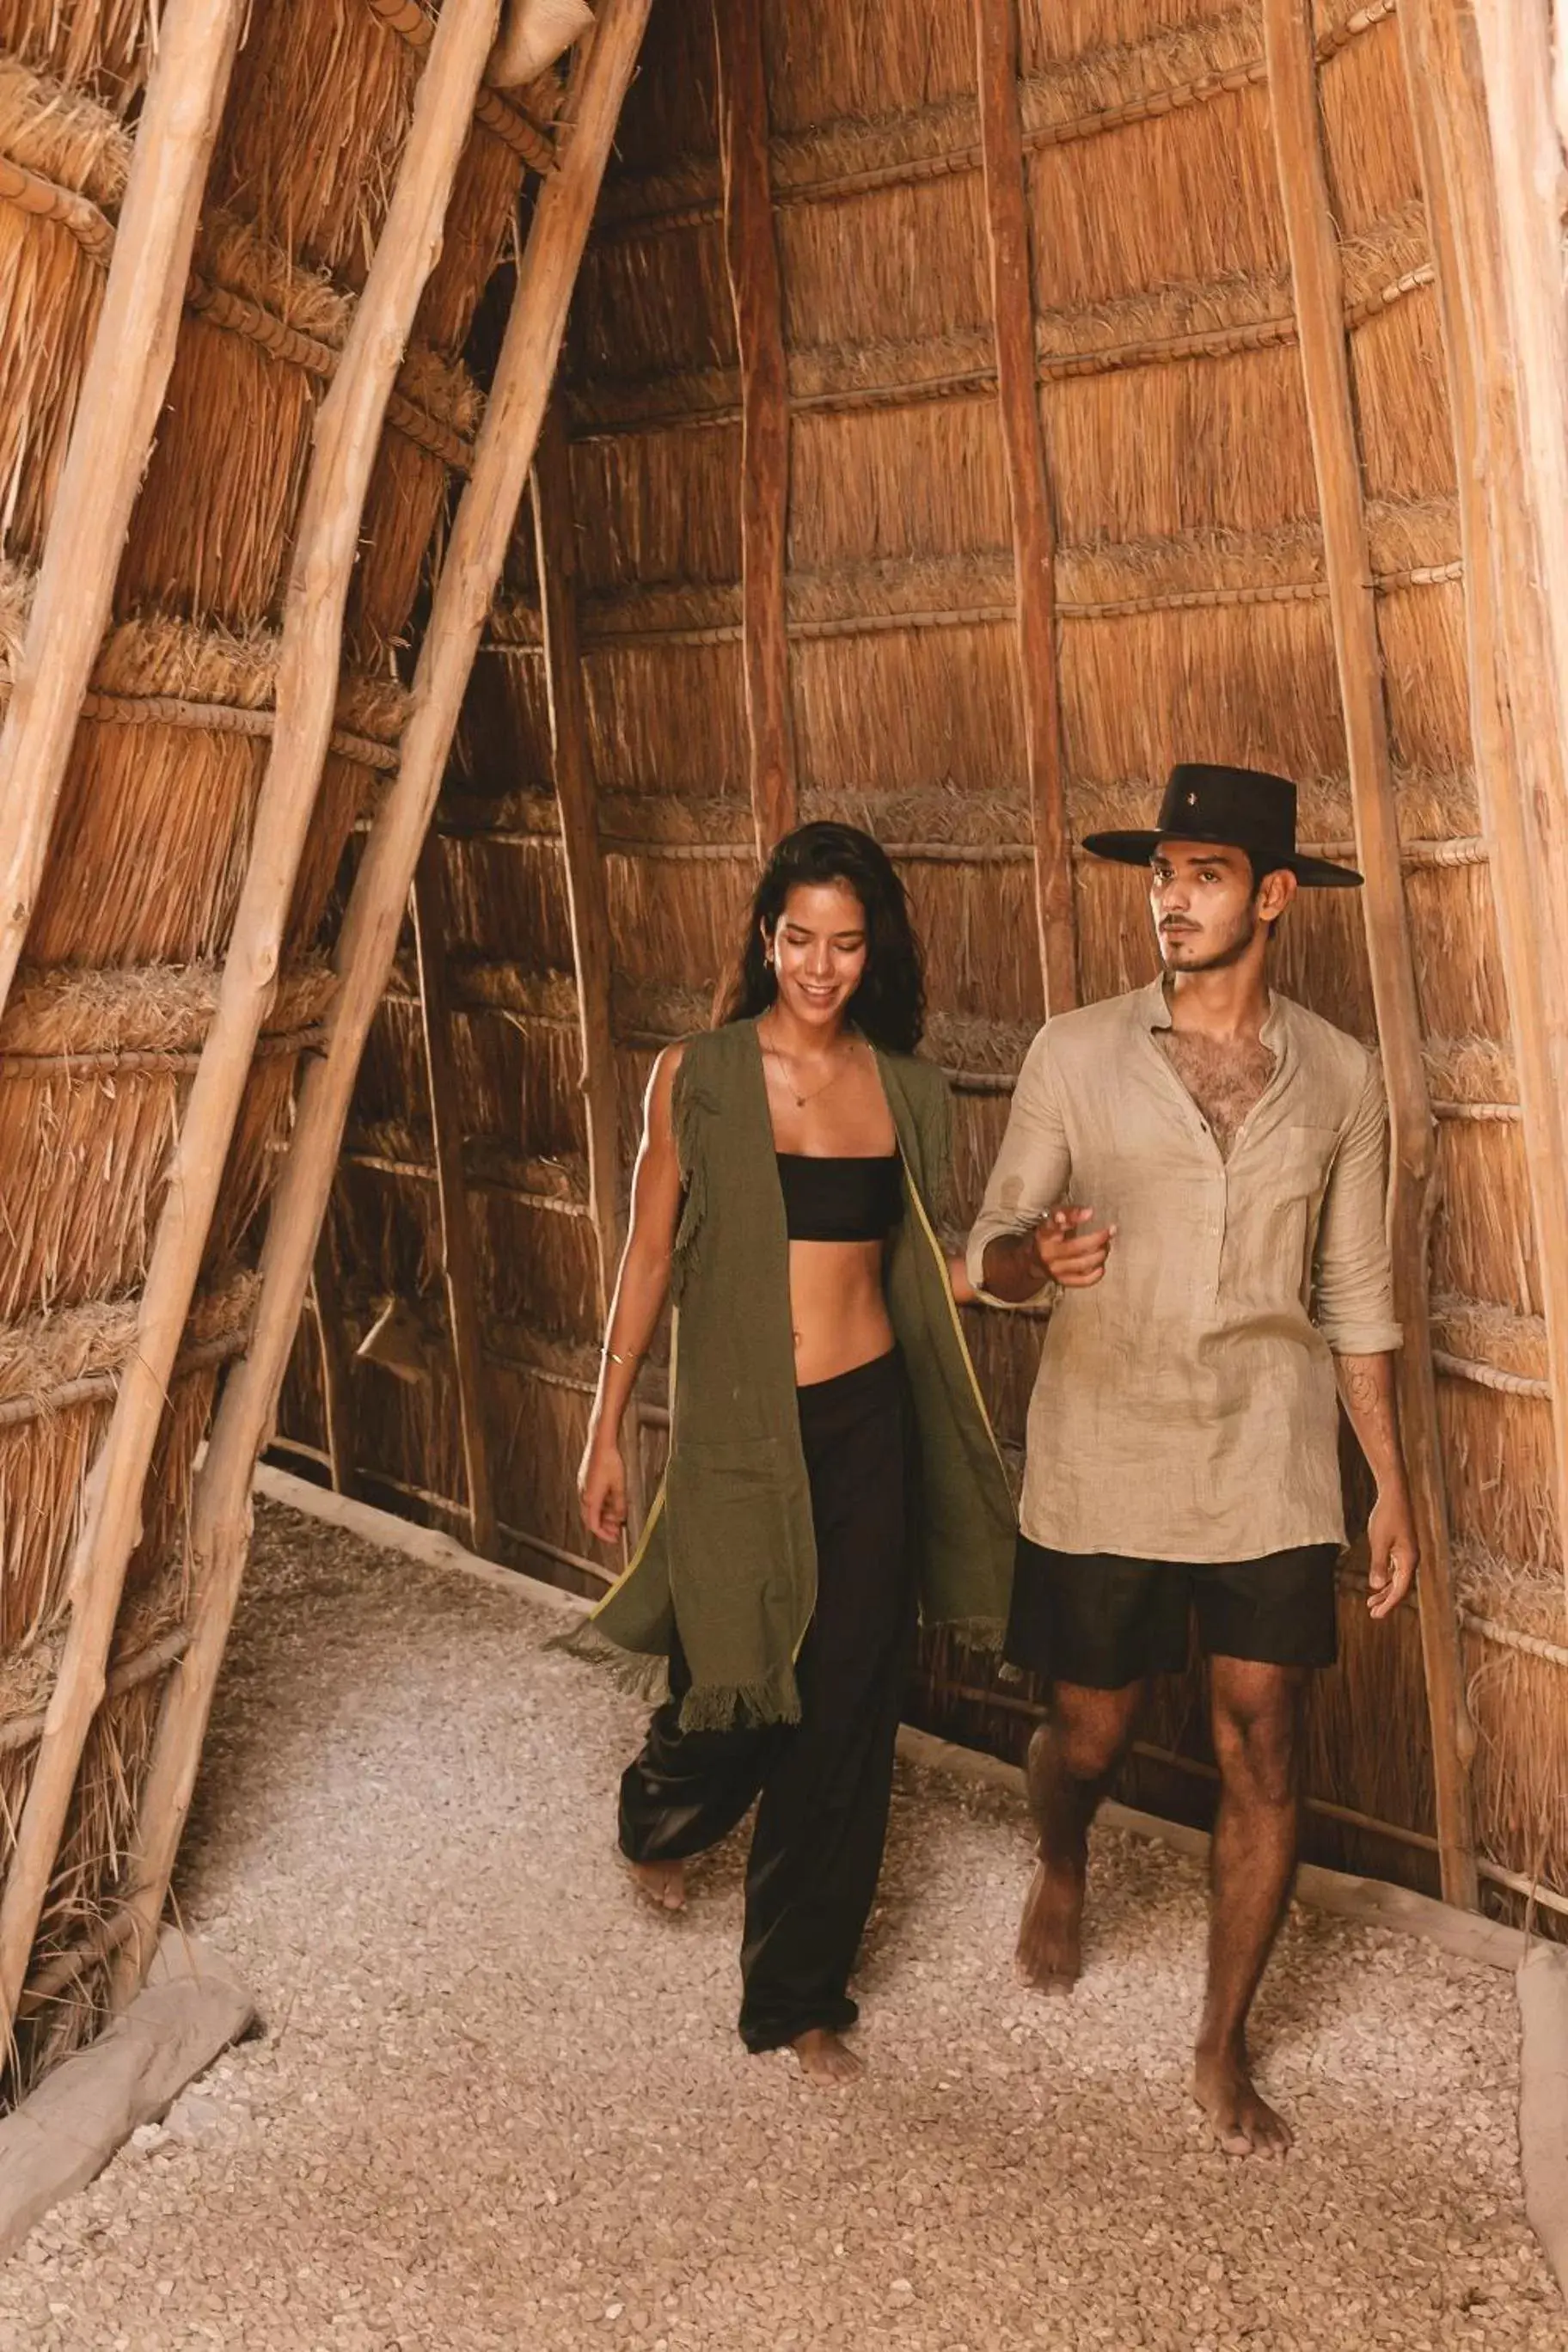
[[122, 391], [430, 929], [581, 852], [326, 547], [1515, 45], [1034, 522], [1514, 39], [220, 1516], [1320, 308], [1521, 766], [752, 257]]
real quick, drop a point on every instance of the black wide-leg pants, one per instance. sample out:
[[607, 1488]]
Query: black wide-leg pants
[[825, 1782]]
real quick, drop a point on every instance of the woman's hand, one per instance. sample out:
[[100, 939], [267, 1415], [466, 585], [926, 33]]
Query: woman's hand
[[601, 1489]]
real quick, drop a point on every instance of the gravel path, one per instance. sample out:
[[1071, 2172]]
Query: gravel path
[[500, 2106]]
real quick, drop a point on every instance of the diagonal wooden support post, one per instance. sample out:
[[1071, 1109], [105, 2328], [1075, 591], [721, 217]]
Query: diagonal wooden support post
[[475, 553], [753, 265], [326, 546], [1325, 367], [1034, 523], [111, 438]]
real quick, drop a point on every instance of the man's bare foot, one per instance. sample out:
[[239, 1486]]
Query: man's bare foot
[[663, 1883], [1049, 1933], [825, 2058], [1243, 2124]]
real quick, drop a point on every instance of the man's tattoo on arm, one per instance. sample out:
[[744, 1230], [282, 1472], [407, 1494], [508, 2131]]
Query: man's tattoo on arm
[[1366, 1385]]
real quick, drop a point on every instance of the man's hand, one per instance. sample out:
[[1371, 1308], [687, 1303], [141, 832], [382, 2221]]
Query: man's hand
[[1069, 1256], [1366, 1387], [1395, 1554], [1018, 1266]]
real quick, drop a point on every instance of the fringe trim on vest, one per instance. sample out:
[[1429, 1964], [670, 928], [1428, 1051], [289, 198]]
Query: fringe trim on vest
[[633, 1671], [718, 1706], [711, 1706]]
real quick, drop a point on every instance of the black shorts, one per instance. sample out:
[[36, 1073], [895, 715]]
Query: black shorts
[[1104, 1621]]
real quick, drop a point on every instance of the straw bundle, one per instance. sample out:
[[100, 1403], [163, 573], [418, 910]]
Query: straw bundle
[[638, 741], [659, 505], [74, 154], [909, 57], [506, 722], [94, 1067], [100, 48], [1367, 130], [650, 302], [314, 175]]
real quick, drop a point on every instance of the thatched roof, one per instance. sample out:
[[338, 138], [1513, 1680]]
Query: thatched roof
[[1139, 394]]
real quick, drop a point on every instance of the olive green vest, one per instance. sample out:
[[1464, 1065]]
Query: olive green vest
[[728, 1552]]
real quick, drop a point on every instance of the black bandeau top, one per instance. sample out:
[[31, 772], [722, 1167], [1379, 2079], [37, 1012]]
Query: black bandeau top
[[857, 1200]]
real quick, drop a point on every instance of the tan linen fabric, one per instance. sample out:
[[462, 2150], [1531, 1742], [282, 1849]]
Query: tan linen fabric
[[1185, 1406]]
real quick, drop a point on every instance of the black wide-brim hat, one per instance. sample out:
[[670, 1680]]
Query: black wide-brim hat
[[1242, 808]]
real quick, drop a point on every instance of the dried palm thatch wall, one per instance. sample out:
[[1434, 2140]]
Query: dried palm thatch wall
[[1015, 322], [147, 856]]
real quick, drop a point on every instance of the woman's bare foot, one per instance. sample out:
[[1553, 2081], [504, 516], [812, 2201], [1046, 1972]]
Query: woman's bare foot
[[663, 1883], [1244, 2124], [1049, 1933], [825, 2057]]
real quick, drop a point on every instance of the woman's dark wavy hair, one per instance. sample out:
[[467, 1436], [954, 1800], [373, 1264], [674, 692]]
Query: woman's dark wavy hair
[[889, 1006]]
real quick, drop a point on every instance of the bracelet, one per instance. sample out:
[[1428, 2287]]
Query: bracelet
[[632, 1356]]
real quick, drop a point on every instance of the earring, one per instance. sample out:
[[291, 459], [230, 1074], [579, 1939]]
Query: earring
[[768, 958]]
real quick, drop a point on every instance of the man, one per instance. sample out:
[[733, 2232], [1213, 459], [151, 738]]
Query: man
[[1225, 1258]]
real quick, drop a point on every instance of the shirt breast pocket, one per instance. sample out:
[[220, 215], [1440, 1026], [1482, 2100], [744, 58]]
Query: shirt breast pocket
[[1291, 1176], [1299, 1161]]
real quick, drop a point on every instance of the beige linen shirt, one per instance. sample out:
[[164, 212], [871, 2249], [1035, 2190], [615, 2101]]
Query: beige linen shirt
[[1185, 1407]]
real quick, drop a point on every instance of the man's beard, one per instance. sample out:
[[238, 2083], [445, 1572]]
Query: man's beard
[[1230, 952]]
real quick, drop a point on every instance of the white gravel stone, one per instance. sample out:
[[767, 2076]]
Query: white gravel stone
[[500, 2102]]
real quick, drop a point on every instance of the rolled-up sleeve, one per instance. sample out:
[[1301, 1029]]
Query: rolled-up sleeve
[[1032, 1167], [1353, 1291]]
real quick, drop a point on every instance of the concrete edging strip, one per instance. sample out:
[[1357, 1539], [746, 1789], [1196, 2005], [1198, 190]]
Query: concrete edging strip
[[1543, 2099], [64, 2133]]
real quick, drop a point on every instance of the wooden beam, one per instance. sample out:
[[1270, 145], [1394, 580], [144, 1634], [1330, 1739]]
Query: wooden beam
[[1320, 308], [325, 550], [1033, 521], [430, 931], [475, 550], [1515, 46], [1515, 689], [121, 393], [752, 257], [588, 897]]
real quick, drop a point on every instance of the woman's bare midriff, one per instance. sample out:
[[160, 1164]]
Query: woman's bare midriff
[[838, 1311]]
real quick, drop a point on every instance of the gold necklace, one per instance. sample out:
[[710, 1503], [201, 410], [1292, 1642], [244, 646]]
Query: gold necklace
[[799, 1100]]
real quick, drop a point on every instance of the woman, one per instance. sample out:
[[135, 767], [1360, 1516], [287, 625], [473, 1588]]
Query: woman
[[831, 1467]]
